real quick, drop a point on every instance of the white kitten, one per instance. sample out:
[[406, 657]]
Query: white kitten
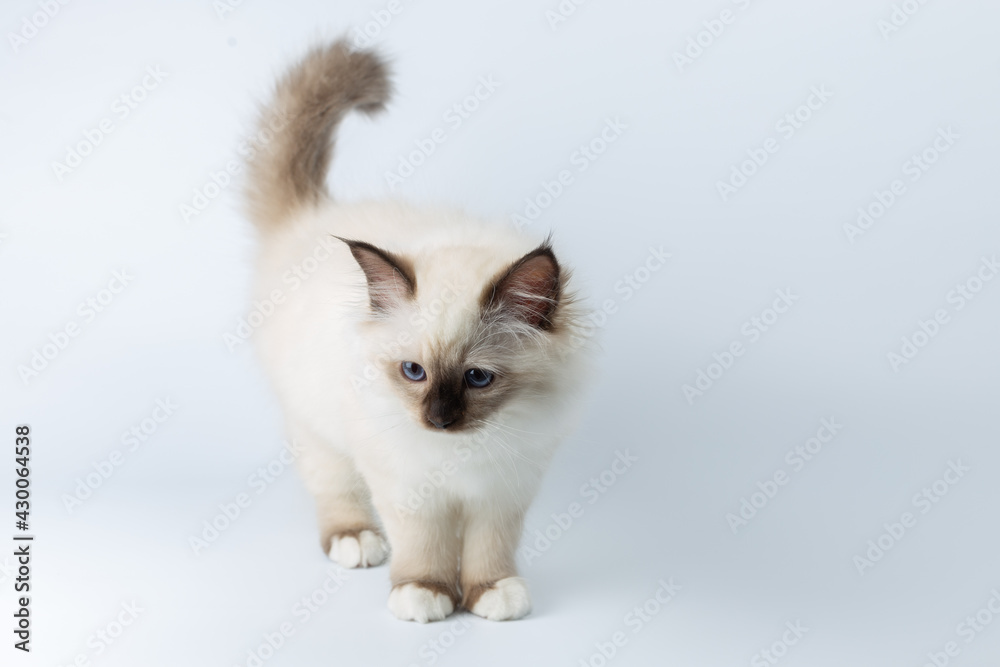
[[425, 360]]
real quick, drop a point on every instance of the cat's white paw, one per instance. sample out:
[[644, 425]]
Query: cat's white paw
[[414, 602], [507, 600], [365, 549]]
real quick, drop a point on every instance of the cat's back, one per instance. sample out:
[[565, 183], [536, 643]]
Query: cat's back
[[445, 245]]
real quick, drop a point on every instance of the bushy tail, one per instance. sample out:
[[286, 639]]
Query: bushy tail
[[288, 171]]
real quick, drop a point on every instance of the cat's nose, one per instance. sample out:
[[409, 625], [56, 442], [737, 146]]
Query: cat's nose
[[440, 422], [440, 414]]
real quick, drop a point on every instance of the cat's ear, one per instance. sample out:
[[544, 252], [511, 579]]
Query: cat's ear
[[528, 290], [390, 277]]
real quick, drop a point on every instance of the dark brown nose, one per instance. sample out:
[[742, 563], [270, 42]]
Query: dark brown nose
[[440, 424], [442, 414]]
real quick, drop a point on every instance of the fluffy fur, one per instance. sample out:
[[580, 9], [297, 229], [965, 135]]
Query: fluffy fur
[[442, 471]]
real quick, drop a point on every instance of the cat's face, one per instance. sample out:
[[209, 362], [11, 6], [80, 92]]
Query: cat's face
[[456, 356]]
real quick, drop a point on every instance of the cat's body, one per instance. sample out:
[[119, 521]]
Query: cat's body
[[424, 360]]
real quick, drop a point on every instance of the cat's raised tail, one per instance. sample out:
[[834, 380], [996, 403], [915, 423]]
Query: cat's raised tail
[[287, 170]]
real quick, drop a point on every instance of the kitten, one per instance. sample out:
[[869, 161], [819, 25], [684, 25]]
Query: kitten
[[425, 360]]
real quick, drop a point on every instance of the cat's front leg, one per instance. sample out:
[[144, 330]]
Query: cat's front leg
[[490, 585], [349, 531], [424, 566]]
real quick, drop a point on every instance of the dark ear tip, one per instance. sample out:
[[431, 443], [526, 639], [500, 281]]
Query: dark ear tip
[[530, 287], [354, 244], [544, 251], [382, 268]]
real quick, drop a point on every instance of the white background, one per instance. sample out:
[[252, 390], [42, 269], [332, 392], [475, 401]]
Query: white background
[[162, 336]]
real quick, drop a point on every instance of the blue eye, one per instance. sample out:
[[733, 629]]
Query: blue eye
[[414, 371], [478, 378]]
